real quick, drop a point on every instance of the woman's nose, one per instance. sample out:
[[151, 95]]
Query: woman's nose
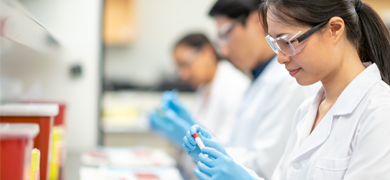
[[283, 59], [183, 74]]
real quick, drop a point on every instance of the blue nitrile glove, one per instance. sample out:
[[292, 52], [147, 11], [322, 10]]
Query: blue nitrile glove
[[218, 166], [192, 149], [169, 125], [169, 100]]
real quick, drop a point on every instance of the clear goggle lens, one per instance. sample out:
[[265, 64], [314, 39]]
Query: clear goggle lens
[[287, 44]]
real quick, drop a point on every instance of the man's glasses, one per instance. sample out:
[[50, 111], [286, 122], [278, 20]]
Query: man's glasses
[[224, 33]]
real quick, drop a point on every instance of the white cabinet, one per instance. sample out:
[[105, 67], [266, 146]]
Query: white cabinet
[[40, 41]]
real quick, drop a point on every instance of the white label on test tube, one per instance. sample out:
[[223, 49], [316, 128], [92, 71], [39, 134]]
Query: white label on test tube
[[199, 141]]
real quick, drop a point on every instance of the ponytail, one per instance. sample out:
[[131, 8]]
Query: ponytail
[[375, 42]]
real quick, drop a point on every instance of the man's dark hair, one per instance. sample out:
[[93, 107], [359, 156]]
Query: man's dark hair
[[234, 8], [196, 40]]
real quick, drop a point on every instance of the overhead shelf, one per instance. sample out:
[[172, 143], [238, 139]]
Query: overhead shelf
[[18, 26]]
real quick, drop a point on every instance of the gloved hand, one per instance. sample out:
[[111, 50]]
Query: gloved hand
[[169, 125], [192, 149], [169, 100], [219, 166]]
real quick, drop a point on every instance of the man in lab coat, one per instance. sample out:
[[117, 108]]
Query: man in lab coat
[[263, 121]]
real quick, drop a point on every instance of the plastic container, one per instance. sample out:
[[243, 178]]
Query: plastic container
[[43, 115], [59, 120], [58, 150], [16, 142]]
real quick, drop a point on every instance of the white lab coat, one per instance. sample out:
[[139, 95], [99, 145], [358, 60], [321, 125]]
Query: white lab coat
[[217, 103], [352, 141], [216, 106], [264, 119]]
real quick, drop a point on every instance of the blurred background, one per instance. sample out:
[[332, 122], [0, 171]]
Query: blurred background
[[106, 63]]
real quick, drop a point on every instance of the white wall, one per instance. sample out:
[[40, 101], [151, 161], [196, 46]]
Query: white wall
[[160, 24], [76, 24]]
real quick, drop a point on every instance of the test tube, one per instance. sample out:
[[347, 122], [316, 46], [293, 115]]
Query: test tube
[[199, 141], [35, 159]]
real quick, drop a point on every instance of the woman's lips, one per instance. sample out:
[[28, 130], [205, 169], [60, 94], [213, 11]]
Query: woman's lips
[[293, 72]]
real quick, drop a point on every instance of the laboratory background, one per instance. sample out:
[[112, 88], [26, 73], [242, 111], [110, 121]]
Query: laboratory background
[[79, 78]]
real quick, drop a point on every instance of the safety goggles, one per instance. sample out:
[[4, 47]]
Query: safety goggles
[[291, 44]]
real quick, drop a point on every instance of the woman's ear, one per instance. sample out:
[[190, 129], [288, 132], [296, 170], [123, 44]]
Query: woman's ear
[[335, 29]]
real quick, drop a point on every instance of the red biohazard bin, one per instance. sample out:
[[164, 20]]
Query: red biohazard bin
[[16, 142], [58, 156], [59, 120], [43, 115]]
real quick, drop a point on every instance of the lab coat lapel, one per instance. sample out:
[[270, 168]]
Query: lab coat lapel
[[305, 126], [308, 142], [318, 136], [345, 104]]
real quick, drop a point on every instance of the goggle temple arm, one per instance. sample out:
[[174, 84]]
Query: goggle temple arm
[[310, 32]]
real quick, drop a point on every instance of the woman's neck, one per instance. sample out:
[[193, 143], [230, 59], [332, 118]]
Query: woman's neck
[[341, 77]]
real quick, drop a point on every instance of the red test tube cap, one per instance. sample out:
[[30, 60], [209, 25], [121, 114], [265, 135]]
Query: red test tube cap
[[195, 135]]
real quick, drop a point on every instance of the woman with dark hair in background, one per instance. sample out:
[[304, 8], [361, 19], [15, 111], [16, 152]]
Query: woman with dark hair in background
[[219, 90], [343, 132]]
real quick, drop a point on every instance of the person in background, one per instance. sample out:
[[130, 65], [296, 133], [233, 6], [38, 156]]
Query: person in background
[[343, 132], [219, 89], [263, 121]]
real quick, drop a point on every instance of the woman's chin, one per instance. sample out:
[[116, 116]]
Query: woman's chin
[[305, 82]]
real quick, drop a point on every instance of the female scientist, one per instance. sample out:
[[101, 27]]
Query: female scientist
[[219, 89], [343, 133]]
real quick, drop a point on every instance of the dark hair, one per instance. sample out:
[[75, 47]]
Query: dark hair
[[234, 8], [197, 41], [364, 27]]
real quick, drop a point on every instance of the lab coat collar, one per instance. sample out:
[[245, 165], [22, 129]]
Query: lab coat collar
[[356, 90], [345, 104], [304, 127], [272, 73], [307, 141], [260, 68]]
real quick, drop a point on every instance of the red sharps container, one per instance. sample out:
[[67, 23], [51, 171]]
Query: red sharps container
[[16, 143], [41, 114]]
